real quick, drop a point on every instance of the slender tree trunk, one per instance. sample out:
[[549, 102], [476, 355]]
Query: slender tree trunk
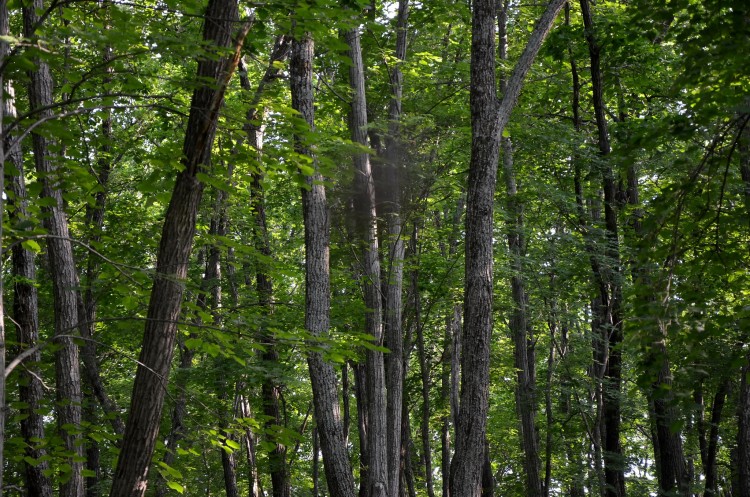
[[395, 268], [710, 463], [524, 355], [488, 121], [142, 427], [743, 434], [364, 206], [95, 224], [25, 315], [270, 390], [743, 407], [426, 415], [317, 284], [609, 276], [64, 276], [360, 394], [3, 384]]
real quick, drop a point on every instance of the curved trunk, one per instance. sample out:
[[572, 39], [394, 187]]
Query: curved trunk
[[147, 399]]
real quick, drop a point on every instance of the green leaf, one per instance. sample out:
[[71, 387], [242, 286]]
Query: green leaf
[[176, 486], [31, 245]]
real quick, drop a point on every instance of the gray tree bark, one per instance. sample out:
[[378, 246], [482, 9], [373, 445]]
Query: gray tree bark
[[63, 271], [488, 122], [366, 225], [520, 325], [395, 268], [608, 307], [317, 283], [25, 314], [743, 407], [147, 399]]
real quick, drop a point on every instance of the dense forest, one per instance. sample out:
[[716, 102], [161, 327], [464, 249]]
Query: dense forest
[[383, 248]]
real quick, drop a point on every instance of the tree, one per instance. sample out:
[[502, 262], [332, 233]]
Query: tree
[[174, 253], [488, 123], [317, 282]]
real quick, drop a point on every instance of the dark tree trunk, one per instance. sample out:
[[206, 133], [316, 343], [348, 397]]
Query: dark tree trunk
[[710, 463], [488, 122], [25, 316], [317, 284], [270, 390], [424, 370], [395, 269], [743, 407], [142, 427], [95, 224], [366, 225], [609, 279], [63, 273], [520, 325], [743, 434]]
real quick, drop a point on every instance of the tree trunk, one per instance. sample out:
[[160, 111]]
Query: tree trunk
[[743, 408], [3, 384], [609, 279], [317, 284], [395, 269], [488, 122], [366, 225], [520, 326], [94, 225], [710, 463], [743, 433], [147, 400], [63, 273], [25, 314], [270, 390]]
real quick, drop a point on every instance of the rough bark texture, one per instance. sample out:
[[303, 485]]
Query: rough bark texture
[[395, 268], [708, 456], [488, 121], [63, 273], [131, 474], [366, 225], [743, 434], [26, 319], [317, 285]]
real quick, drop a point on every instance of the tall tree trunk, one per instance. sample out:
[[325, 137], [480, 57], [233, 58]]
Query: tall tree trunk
[[270, 390], [743, 433], [3, 384], [609, 277], [520, 325], [366, 225], [424, 371], [395, 268], [317, 283], [488, 122], [63, 271], [94, 225], [743, 408], [147, 399], [25, 313], [710, 463]]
